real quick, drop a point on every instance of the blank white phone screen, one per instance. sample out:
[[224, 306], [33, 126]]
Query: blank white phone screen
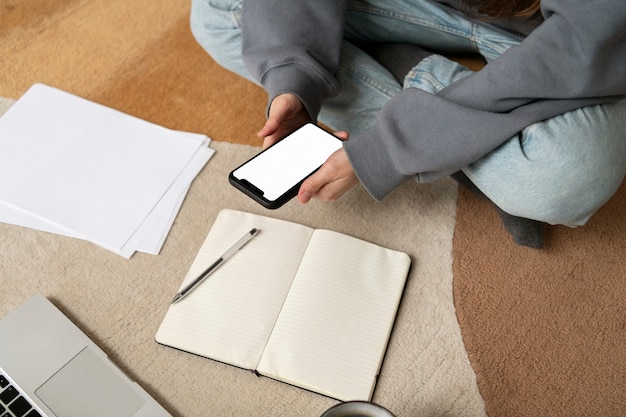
[[282, 166]]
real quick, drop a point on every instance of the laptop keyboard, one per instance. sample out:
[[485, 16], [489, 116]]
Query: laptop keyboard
[[12, 403]]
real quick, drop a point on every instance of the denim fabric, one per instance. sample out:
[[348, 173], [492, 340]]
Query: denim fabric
[[559, 171]]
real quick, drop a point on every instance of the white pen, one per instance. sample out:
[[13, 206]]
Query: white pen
[[207, 272]]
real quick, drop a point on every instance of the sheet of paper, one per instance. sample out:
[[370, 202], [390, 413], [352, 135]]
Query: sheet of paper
[[164, 206], [156, 231], [92, 171], [152, 244], [15, 216]]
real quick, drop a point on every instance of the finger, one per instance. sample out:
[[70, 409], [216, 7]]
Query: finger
[[279, 108], [342, 134], [270, 127], [271, 132], [268, 141], [310, 187]]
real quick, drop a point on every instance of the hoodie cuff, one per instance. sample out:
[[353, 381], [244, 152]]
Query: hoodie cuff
[[373, 165], [311, 89]]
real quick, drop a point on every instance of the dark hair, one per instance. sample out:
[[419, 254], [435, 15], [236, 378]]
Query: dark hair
[[500, 9]]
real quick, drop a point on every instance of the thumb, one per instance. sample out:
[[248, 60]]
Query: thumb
[[279, 109], [270, 127], [308, 189]]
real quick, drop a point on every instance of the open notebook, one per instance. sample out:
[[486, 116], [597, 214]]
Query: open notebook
[[310, 307]]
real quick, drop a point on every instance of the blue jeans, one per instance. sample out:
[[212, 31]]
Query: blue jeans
[[559, 171]]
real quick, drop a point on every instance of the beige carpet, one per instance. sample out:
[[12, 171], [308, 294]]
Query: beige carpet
[[122, 302], [545, 331]]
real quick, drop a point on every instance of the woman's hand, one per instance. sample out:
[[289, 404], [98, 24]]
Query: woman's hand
[[287, 113], [332, 180], [335, 177]]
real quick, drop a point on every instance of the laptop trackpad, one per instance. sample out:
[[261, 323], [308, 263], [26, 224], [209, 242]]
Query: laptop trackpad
[[87, 386]]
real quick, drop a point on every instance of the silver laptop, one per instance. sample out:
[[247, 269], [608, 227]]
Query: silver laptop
[[49, 367]]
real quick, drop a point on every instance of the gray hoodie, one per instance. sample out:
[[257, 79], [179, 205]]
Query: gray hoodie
[[575, 56]]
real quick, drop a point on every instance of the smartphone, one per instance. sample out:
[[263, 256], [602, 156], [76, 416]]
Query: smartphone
[[274, 176]]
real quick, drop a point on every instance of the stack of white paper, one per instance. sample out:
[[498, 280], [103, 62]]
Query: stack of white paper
[[77, 168]]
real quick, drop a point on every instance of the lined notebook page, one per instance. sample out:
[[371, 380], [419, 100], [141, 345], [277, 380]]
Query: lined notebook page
[[230, 315], [333, 331]]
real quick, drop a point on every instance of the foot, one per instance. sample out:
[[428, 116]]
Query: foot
[[525, 232]]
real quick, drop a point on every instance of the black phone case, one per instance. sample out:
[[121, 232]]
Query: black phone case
[[257, 195]]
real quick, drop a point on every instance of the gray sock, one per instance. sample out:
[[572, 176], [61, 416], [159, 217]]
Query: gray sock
[[525, 232]]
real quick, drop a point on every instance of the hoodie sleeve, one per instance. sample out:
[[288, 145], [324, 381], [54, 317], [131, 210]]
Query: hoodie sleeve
[[294, 46], [575, 58]]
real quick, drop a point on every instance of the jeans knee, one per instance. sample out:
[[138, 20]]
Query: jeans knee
[[215, 24], [564, 200], [434, 73], [560, 171]]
